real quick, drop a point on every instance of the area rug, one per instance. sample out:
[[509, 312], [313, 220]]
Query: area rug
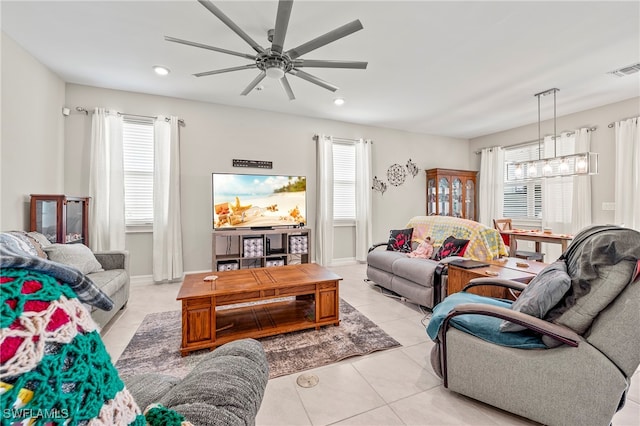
[[155, 346]]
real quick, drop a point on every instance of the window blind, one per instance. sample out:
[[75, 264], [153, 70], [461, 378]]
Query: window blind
[[522, 200], [138, 171], [344, 181]]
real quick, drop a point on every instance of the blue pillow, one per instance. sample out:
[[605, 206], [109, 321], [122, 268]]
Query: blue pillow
[[482, 326]]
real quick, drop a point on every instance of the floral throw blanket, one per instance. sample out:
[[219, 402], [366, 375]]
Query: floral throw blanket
[[484, 243]]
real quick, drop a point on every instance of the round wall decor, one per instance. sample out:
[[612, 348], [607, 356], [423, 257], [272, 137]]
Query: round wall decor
[[396, 174]]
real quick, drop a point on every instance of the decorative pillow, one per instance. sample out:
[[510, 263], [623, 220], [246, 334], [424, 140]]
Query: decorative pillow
[[452, 246], [77, 255], [543, 292], [400, 240]]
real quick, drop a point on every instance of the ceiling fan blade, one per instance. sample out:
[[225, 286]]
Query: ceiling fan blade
[[325, 39], [287, 87], [242, 67], [317, 63], [282, 22], [229, 23], [313, 79], [254, 83], [205, 46]]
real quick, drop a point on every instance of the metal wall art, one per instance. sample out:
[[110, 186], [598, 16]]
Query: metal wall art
[[412, 168], [396, 174], [379, 185]]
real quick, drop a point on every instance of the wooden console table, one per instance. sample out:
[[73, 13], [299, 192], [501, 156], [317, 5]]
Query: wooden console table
[[204, 326], [507, 269]]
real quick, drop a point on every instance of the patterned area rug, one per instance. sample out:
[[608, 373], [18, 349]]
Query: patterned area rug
[[155, 346]]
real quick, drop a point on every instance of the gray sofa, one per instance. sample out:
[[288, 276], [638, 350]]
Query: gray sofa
[[424, 281], [114, 281], [225, 388]]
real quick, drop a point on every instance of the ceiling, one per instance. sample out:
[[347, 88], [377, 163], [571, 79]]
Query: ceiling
[[459, 69]]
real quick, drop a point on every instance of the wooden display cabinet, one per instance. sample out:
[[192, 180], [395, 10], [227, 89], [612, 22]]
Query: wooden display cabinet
[[452, 193], [62, 219]]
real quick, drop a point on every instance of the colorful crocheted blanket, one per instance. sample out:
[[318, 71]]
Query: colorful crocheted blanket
[[484, 243], [54, 366]]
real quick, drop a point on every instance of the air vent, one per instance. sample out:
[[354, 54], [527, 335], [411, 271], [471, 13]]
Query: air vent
[[624, 71]]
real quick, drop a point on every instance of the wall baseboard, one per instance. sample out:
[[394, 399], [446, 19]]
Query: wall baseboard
[[344, 261], [138, 280]]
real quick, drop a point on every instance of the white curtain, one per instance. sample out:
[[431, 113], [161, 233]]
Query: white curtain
[[491, 186], [167, 227], [106, 182], [324, 200], [581, 202], [557, 192], [627, 182], [363, 199]]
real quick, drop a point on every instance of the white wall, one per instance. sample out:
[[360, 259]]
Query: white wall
[[32, 135], [215, 134], [602, 142]]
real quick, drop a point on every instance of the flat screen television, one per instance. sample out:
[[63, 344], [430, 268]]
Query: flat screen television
[[258, 201]]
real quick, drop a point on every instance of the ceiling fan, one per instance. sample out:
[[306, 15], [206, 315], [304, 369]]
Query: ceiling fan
[[275, 62]]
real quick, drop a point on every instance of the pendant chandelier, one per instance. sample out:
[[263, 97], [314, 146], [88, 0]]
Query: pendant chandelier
[[584, 163]]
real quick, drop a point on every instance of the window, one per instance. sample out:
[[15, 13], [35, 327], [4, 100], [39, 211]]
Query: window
[[138, 172], [344, 182], [524, 200]]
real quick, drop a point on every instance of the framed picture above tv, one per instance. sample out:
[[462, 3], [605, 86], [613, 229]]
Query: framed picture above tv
[[258, 201]]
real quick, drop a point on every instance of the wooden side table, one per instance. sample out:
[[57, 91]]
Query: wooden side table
[[508, 270]]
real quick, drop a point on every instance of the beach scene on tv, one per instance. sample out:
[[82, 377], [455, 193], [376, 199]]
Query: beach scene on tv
[[258, 200]]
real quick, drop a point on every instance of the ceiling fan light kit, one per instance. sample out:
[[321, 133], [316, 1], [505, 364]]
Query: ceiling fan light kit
[[274, 62], [584, 163]]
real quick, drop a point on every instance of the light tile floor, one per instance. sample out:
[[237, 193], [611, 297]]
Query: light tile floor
[[393, 387]]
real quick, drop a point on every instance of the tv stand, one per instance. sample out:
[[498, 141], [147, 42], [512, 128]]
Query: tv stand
[[256, 248]]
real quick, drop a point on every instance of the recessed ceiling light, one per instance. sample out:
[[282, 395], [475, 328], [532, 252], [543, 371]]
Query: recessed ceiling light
[[338, 101], [160, 70]]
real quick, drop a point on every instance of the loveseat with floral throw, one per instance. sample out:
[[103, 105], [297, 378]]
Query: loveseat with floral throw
[[421, 280]]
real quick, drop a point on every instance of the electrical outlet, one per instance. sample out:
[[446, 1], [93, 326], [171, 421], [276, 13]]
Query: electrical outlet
[[608, 206]]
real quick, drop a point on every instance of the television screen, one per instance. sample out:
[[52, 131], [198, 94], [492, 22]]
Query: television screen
[[260, 201]]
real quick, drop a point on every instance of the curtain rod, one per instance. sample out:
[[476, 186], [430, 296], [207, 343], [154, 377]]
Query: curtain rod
[[316, 136], [592, 129], [624, 119], [86, 112]]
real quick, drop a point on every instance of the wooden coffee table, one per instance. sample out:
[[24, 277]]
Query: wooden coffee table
[[205, 326]]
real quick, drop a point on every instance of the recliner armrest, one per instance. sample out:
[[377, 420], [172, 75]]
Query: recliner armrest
[[115, 259], [498, 282], [555, 331]]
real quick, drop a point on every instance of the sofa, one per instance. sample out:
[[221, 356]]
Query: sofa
[[55, 364], [423, 281], [108, 270]]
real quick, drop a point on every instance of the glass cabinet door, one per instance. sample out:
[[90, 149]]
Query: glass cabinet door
[[456, 204], [431, 196], [75, 217], [470, 200], [443, 197], [47, 219]]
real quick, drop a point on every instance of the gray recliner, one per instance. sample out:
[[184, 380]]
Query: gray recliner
[[592, 337]]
